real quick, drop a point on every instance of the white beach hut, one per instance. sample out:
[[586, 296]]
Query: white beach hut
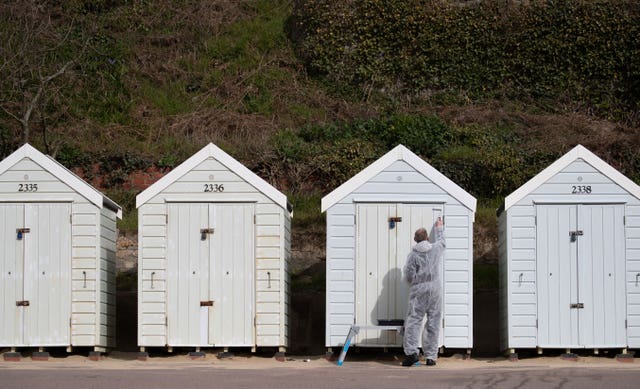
[[569, 242], [57, 256], [214, 252], [371, 219]]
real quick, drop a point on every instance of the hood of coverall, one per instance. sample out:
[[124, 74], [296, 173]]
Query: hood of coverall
[[422, 247]]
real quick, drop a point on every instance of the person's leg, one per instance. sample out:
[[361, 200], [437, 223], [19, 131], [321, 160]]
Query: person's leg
[[432, 327], [413, 323]]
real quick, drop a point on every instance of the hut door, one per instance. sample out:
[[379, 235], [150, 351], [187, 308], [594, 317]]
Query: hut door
[[210, 291], [231, 255], [384, 239], [601, 276], [36, 273], [580, 276]]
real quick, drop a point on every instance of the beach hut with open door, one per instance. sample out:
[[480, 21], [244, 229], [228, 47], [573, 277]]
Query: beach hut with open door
[[57, 256], [214, 252], [569, 242], [371, 219]]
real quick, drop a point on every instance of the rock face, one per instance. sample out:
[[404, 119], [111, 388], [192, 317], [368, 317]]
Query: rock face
[[127, 253]]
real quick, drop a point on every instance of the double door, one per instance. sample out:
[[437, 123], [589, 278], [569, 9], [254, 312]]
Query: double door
[[384, 238], [581, 276], [35, 274], [210, 291]]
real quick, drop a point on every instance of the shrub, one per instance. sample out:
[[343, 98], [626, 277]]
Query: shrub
[[581, 52]]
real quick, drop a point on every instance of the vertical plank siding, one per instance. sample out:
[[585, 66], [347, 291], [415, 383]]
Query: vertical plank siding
[[519, 313], [91, 302], [399, 183], [272, 253]]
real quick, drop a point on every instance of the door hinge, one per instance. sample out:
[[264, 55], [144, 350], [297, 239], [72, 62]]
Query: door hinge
[[166, 321], [355, 220], [536, 323], [443, 322], [166, 219], [535, 220], [70, 218], [255, 219], [624, 220], [625, 323], [69, 322]]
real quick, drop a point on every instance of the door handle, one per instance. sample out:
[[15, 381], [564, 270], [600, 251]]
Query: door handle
[[204, 232], [575, 234], [23, 303], [577, 305], [393, 221], [21, 231], [208, 303]]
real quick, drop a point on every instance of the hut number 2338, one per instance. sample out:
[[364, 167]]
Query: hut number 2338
[[581, 189], [214, 187]]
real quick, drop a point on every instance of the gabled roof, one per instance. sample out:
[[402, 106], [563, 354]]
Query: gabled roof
[[213, 151], [399, 153], [62, 173], [578, 152]]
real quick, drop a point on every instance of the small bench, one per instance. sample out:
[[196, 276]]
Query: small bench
[[384, 325]]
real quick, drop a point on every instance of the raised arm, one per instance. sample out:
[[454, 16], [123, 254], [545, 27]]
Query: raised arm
[[440, 243]]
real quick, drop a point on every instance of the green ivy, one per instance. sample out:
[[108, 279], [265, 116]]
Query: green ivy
[[579, 52]]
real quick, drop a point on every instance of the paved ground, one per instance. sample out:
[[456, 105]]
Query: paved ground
[[121, 370]]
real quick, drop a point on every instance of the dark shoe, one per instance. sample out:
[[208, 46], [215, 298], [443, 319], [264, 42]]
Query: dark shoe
[[431, 362], [411, 360]]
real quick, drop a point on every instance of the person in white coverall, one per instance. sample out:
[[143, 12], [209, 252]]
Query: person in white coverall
[[422, 272]]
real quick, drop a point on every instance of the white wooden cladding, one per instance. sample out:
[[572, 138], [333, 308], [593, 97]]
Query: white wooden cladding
[[81, 303], [542, 271], [381, 251], [588, 270], [218, 268], [399, 182], [270, 245], [36, 269]]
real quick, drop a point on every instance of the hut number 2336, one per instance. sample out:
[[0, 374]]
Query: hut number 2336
[[581, 189], [214, 187]]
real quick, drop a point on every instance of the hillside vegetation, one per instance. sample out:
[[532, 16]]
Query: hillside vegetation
[[306, 94]]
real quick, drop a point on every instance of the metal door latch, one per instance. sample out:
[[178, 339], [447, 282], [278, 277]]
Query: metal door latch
[[204, 232], [393, 221], [575, 234], [577, 305], [23, 303], [22, 231]]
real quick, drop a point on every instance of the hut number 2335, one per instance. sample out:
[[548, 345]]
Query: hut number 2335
[[214, 187], [27, 187], [581, 189]]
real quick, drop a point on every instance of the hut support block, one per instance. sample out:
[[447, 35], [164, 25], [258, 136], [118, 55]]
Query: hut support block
[[40, 356], [12, 357], [280, 356], [95, 356]]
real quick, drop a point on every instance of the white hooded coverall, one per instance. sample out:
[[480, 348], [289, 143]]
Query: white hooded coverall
[[422, 271]]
